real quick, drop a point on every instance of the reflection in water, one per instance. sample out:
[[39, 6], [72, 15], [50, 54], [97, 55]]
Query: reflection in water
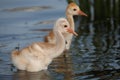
[[63, 65], [96, 50], [104, 75], [24, 75]]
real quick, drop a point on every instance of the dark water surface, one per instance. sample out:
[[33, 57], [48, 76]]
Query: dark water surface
[[94, 54]]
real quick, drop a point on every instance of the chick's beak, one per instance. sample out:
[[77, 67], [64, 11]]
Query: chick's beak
[[80, 12], [71, 31]]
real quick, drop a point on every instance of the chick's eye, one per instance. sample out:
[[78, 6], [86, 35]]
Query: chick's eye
[[65, 26], [74, 9]]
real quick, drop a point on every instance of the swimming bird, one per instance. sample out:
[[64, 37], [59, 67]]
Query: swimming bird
[[71, 10], [39, 55]]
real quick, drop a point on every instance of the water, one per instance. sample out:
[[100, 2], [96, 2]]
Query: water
[[94, 54], [96, 50]]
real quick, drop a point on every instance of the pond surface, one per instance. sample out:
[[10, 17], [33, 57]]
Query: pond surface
[[94, 54]]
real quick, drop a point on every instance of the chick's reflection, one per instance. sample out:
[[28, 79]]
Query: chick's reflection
[[24, 75]]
